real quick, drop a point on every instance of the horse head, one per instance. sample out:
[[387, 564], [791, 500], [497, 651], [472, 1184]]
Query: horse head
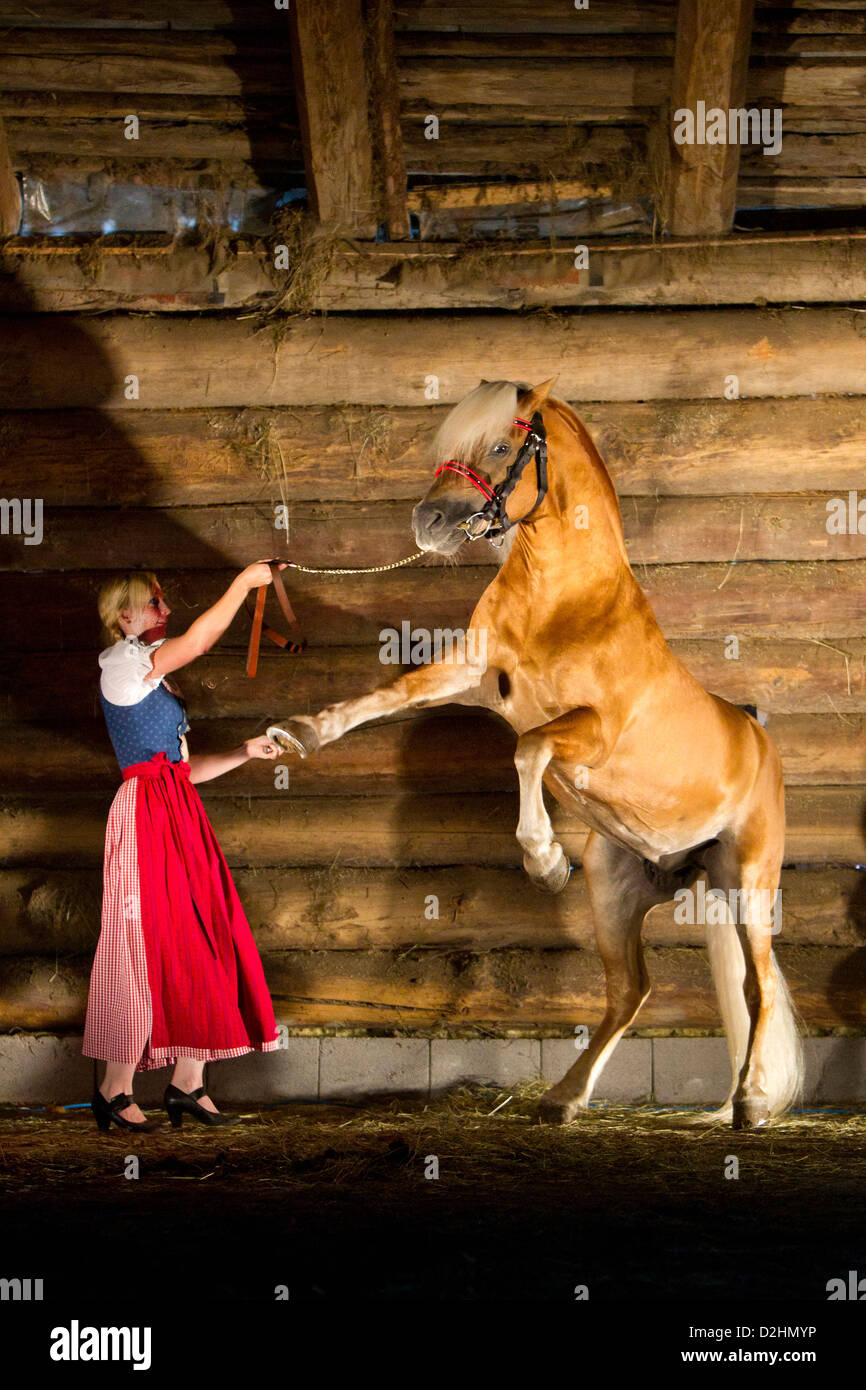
[[476, 449]]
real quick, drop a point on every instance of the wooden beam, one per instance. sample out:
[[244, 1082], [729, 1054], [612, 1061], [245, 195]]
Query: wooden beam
[[710, 65], [422, 990], [10, 191], [802, 193], [523, 151], [626, 17], [578, 46], [784, 676], [206, 457], [201, 15], [208, 361], [498, 195], [152, 274], [509, 16], [332, 90], [535, 89], [445, 754], [658, 531], [252, 65], [824, 827], [384, 112], [354, 909], [774, 599]]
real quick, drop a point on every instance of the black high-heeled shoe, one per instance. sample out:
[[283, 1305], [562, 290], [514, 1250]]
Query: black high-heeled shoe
[[179, 1103], [104, 1111]]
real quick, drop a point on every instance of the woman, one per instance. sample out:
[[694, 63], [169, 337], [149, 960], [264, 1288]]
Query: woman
[[177, 977]]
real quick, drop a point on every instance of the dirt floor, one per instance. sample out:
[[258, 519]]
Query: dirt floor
[[332, 1201]]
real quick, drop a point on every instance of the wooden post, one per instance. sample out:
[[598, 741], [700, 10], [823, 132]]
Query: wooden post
[[389, 159], [10, 193], [710, 63], [332, 94]]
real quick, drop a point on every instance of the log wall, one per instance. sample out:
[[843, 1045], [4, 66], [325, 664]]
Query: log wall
[[724, 506], [724, 503]]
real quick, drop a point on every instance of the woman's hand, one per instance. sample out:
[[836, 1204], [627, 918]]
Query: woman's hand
[[262, 747], [254, 576]]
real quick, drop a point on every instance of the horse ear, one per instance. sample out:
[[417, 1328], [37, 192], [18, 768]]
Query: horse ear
[[484, 381], [537, 396]]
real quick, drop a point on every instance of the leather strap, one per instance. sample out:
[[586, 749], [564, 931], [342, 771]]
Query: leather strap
[[256, 631], [295, 643]]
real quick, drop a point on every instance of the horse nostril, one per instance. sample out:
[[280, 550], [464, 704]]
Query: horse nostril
[[430, 522], [428, 519]]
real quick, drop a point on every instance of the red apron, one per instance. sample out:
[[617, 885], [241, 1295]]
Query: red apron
[[176, 972]]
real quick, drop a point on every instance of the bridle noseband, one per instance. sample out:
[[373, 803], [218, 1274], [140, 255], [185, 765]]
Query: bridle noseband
[[493, 512]]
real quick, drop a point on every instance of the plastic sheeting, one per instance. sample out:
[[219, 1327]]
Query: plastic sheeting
[[99, 204]]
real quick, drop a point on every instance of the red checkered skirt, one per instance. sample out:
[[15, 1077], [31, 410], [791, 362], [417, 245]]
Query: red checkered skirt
[[176, 971]]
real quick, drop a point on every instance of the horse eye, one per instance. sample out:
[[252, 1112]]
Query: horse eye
[[500, 449]]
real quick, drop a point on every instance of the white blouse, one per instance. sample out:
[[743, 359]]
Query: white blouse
[[125, 665]]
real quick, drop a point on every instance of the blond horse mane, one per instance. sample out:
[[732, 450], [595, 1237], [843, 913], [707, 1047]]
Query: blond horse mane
[[482, 417]]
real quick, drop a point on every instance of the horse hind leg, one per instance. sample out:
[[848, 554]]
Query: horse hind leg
[[620, 896], [763, 1040]]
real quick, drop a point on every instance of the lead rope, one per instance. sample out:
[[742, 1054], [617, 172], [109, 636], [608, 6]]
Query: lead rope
[[371, 569]]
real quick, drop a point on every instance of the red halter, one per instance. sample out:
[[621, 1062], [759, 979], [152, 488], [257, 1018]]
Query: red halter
[[465, 471]]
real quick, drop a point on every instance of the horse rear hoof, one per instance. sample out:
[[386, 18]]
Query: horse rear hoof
[[554, 1112], [750, 1114], [294, 737]]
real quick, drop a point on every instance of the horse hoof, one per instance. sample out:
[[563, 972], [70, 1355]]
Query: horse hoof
[[294, 737], [750, 1114], [556, 878], [554, 1112]]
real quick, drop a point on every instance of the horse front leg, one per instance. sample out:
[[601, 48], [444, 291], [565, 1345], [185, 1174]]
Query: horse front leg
[[574, 739], [440, 682]]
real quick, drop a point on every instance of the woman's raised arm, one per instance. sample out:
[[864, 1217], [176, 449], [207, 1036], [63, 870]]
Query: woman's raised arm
[[209, 626]]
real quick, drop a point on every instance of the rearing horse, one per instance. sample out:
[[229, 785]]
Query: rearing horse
[[671, 780]]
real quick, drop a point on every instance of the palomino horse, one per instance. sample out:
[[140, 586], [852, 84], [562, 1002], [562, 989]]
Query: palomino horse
[[672, 781]]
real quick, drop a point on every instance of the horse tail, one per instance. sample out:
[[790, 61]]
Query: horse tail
[[785, 1063]]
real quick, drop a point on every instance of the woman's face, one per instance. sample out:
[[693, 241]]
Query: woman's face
[[149, 623]]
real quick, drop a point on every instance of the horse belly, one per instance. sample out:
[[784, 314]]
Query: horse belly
[[650, 831]]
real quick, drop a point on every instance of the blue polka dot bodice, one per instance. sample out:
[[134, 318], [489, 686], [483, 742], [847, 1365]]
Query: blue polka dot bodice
[[153, 725]]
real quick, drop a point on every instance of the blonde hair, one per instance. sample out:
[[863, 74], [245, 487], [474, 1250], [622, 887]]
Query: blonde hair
[[132, 590]]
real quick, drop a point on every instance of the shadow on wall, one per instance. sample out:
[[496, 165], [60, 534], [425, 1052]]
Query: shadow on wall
[[847, 984], [262, 65], [458, 786], [103, 503], [103, 509]]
